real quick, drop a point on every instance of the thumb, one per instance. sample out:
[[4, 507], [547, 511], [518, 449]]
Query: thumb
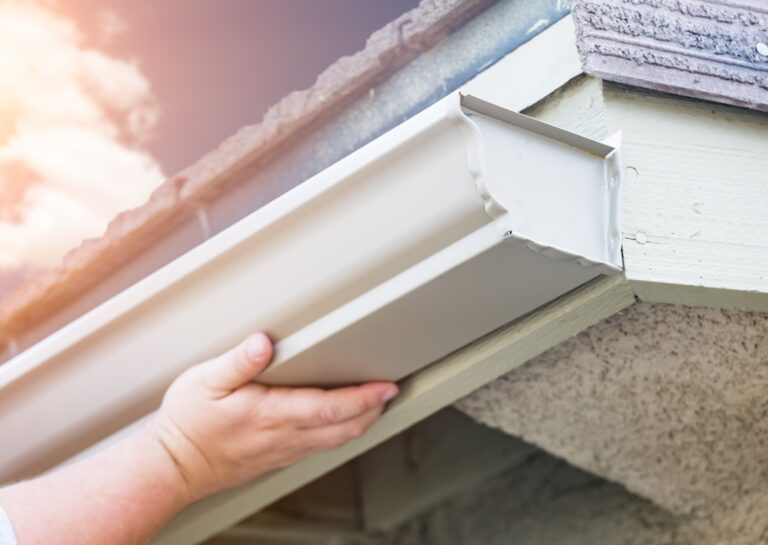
[[237, 366]]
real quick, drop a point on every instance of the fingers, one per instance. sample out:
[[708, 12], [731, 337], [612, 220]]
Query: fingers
[[238, 366], [311, 408], [333, 436]]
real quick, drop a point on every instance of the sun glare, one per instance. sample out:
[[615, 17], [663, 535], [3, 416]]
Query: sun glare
[[73, 122]]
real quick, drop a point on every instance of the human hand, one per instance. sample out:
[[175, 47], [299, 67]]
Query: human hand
[[221, 429]]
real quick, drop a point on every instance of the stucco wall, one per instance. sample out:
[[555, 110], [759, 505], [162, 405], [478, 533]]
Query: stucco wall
[[547, 502], [541, 502], [670, 401]]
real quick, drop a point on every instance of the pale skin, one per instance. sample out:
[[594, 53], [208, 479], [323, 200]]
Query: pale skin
[[216, 429]]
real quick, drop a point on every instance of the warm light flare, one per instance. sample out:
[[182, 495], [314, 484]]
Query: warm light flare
[[72, 124]]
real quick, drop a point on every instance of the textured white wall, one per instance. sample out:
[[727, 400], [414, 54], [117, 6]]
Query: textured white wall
[[541, 502], [670, 401]]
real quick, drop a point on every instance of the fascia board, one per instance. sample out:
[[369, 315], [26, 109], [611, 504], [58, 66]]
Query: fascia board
[[423, 240]]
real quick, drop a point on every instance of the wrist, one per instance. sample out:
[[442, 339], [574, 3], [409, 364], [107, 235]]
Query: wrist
[[173, 455]]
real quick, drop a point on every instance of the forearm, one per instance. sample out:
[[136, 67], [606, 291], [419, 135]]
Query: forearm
[[216, 429], [120, 496]]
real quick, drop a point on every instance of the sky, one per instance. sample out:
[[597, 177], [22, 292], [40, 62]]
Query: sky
[[101, 100]]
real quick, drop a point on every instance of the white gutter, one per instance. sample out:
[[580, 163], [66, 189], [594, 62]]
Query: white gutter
[[456, 222]]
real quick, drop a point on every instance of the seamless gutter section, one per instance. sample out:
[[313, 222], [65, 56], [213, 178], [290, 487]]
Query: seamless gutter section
[[455, 223]]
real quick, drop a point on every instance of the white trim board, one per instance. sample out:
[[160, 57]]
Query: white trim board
[[700, 296], [695, 198], [694, 190]]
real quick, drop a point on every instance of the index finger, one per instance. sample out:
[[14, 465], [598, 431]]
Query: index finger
[[313, 407]]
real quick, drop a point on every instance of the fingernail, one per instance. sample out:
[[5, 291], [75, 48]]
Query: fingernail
[[256, 347], [388, 394]]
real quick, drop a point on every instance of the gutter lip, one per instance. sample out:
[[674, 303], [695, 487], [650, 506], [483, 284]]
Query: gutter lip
[[553, 252], [477, 104]]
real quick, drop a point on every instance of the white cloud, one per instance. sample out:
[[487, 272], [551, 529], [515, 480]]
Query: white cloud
[[110, 25], [72, 122]]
